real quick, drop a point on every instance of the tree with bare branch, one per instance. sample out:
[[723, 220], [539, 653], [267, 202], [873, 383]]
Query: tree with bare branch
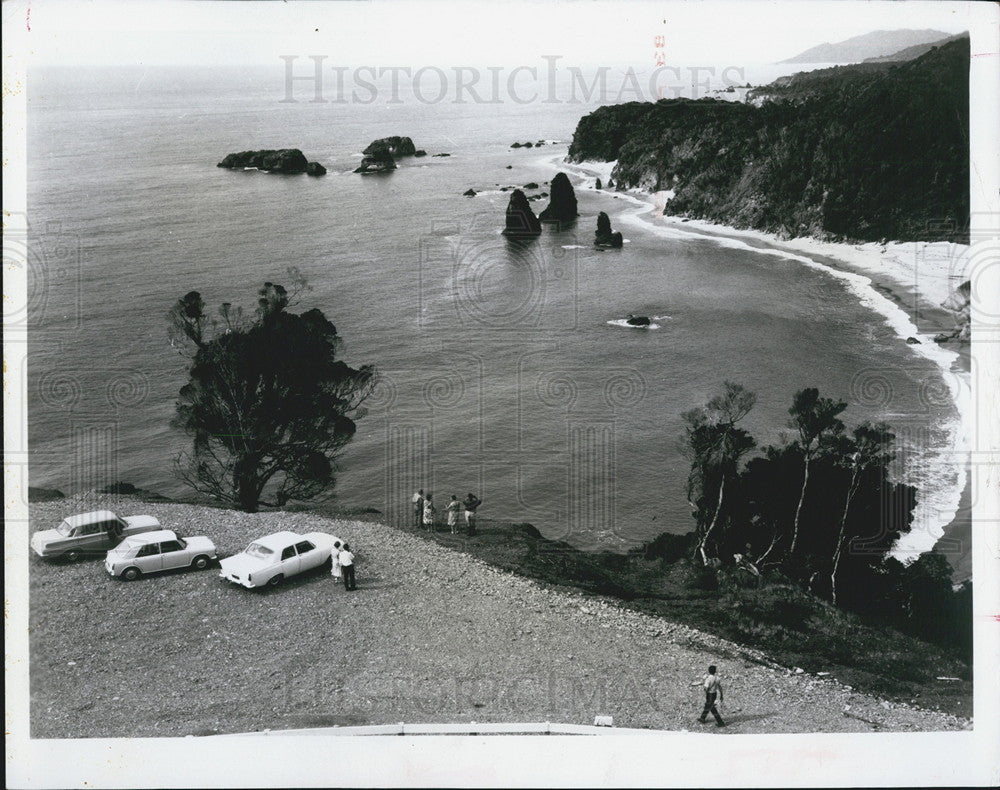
[[268, 404]]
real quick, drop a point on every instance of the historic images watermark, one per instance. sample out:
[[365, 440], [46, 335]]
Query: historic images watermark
[[310, 79]]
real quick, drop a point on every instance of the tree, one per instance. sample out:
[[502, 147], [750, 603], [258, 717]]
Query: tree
[[815, 419], [716, 446], [268, 404], [871, 446]]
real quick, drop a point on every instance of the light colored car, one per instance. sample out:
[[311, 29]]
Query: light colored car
[[89, 533], [274, 558], [163, 550]]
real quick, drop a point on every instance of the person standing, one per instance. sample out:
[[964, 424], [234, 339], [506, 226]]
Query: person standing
[[471, 503], [713, 688], [452, 510], [418, 507], [429, 512], [335, 571], [346, 561]]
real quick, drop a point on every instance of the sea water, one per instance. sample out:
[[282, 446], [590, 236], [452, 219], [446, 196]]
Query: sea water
[[504, 368]]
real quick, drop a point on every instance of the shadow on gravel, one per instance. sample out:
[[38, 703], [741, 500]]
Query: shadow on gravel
[[738, 719]]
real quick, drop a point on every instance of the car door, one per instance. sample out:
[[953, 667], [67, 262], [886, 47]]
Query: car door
[[289, 561], [309, 555], [91, 538], [173, 554], [148, 559]]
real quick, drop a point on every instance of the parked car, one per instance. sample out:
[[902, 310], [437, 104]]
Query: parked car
[[163, 550], [89, 533], [274, 558]]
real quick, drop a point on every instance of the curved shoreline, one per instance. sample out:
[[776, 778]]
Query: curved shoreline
[[877, 289]]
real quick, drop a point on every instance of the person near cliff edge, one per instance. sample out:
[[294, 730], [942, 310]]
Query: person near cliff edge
[[418, 507], [429, 512], [471, 503], [452, 509], [713, 688]]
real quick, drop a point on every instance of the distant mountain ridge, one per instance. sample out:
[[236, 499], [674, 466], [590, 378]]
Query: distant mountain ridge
[[915, 51], [875, 45]]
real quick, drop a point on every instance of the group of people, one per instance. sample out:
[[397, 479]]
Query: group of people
[[343, 565], [425, 512]]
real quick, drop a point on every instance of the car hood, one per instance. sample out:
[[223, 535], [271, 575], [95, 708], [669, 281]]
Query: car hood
[[44, 537]]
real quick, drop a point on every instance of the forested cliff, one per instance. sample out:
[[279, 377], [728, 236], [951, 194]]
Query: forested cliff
[[868, 152]]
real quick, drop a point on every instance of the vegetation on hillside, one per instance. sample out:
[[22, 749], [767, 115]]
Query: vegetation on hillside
[[867, 152]]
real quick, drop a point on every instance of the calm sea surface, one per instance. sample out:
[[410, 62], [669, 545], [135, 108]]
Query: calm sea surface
[[501, 373]]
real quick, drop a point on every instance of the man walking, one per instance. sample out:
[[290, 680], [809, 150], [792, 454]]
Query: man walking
[[347, 567], [713, 688], [418, 507], [471, 503]]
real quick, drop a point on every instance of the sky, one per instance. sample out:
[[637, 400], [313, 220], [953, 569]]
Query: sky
[[110, 32]]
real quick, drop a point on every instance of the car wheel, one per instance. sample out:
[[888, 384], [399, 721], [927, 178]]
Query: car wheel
[[274, 581], [131, 574], [200, 562], [72, 556]]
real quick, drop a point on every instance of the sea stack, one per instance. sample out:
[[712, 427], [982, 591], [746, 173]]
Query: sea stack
[[562, 204], [521, 220], [398, 146], [378, 159], [282, 160], [604, 237]]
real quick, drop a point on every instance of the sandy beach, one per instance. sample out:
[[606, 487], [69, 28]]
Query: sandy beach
[[911, 285]]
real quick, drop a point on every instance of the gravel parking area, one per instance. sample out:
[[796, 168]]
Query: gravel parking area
[[431, 635]]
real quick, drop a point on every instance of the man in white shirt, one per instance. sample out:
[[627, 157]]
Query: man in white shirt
[[713, 688], [418, 507], [347, 567]]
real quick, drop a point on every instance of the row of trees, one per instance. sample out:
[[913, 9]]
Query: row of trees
[[820, 507]]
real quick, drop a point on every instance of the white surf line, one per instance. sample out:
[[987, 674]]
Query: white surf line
[[932, 513]]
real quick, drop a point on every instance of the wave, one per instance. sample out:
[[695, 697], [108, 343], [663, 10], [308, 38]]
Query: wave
[[623, 322]]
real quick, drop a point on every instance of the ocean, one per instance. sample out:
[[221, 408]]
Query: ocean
[[505, 369]]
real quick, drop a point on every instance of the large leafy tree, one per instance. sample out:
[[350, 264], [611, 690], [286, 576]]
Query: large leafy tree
[[268, 403]]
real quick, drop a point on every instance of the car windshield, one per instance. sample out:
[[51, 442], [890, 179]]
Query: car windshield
[[65, 529], [125, 550], [122, 523], [258, 550]]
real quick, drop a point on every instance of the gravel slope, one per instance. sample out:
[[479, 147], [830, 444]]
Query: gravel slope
[[431, 635]]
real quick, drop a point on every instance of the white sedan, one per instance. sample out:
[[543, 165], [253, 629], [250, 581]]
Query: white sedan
[[152, 552], [274, 558]]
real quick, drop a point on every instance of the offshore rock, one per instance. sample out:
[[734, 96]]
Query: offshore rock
[[562, 205], [281, 160], [398, 146], [378, 159], [604, 237], [521, 220]]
